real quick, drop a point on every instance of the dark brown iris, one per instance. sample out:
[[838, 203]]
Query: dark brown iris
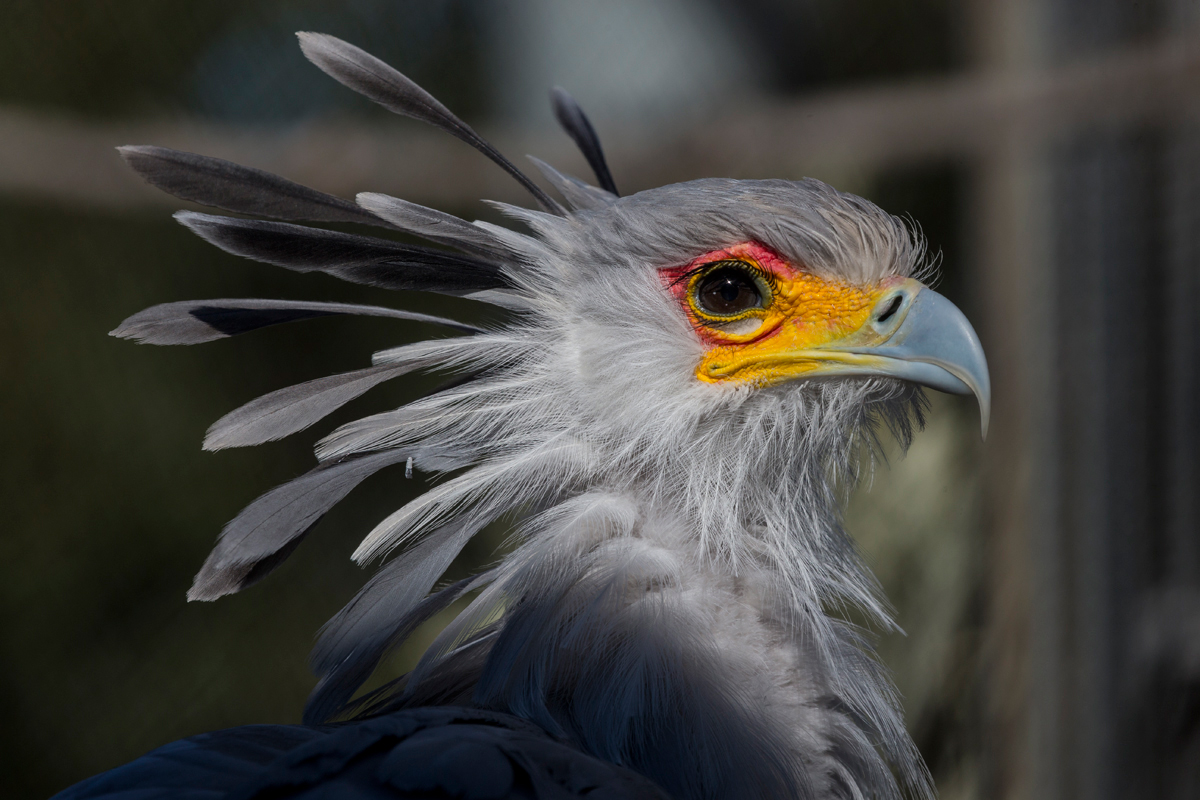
[[727, 291]]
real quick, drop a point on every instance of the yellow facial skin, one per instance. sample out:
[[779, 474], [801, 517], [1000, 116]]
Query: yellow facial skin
[[789, 336], [804, 314]]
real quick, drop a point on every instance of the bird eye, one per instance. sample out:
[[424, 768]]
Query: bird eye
[[727, 291]]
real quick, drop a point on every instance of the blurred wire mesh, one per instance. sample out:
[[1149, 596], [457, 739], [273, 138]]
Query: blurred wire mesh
[[1049, 581]]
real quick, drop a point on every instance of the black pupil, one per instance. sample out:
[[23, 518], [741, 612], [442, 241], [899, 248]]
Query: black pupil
[[727, 291]]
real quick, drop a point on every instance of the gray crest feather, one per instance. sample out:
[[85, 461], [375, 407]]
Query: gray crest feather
[[358, 259], [289, 410], [578, 194], [196, 321], [572, 119], [384, 613], [266, 532], [244, 190], [469, 632], [339, 680], [434, 225], [367, 75], [484, 492], [502, 299]]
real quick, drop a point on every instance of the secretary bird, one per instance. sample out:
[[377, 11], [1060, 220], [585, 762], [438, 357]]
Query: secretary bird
[[683, 377]]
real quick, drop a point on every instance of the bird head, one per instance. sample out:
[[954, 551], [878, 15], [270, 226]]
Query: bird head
[[726, 343]]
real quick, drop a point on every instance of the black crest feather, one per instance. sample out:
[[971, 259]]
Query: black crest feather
[[358, 259], [572, 119], [243, 190], [367, 75]]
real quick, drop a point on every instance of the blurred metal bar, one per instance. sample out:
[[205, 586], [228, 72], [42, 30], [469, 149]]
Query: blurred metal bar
[[1104, 208], [1182, 346], [966, 116], [1012, 290], [72, 161], [1007, 240]]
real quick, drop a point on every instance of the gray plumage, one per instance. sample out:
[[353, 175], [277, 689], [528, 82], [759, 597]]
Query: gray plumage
[[678, 553]]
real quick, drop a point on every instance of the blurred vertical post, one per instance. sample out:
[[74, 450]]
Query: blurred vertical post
[[1012, 292]]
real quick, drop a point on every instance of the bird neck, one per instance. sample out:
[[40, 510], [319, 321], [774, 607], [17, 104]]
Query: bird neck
[[666, 611], [622, 632]]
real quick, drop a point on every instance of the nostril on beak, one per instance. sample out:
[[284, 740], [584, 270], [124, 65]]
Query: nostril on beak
[[890, 310]]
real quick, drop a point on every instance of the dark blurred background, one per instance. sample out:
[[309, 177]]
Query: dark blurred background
[[1049, 580]]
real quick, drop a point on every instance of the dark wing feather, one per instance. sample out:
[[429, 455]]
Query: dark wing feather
[[367, 75], [417, 754], [572, 119], [292, 409], [358, 259], [245, 190], [196, 321], [204, 767], [266, 532]]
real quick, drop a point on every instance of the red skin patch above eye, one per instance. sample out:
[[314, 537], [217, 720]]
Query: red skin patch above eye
[[675, 278]]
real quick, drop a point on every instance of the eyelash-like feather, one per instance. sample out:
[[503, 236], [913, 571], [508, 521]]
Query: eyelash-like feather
[[767, 276]]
